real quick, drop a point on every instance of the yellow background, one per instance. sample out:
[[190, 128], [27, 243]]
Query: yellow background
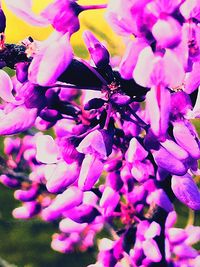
[[17, 29]]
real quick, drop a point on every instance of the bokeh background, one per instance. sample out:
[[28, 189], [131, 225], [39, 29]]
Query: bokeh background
[[27, 243]]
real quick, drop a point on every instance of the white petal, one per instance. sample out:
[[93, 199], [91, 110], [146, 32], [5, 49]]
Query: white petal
[[47, 151], [6, 87], [50, 62], [23, 10]]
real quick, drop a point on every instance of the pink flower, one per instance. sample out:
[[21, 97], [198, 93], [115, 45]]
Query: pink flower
[[50, 61]]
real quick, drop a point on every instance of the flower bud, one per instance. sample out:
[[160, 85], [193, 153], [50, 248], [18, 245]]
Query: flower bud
[[185, 137], [186, 190], [90, 172], [26, 195], [68, 226], [97, 143], [82, 214], [22, 71], [98, 52], [69, 199], [60, 176], [168, 162], [9, 181], [28, 210], [94, 103], [50, 115], [17, 120]]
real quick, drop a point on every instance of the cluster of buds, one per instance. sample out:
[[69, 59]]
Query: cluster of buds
[[120, 146]]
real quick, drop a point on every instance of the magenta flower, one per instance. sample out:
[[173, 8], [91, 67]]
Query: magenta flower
[[49, 63], [17, 120]]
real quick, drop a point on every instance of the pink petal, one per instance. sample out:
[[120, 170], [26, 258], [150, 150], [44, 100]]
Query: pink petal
[[168, 162], [69, 199], [167, 32], [192, 80], [130, 57], [109, 200], [6, 87], [186, 139], [60, 176], [160, 198], [23, 10], [143, 71], [151, 250], [93, 143], [135, 151], [173, 65], [62, 15], [158, 108], [47, 151], [68, 226], [176, 235], [184, 251], [176, 150], [193, 233], [171, 219], [91, 170], [186, 190], [50, 62], [119, 17], [153, 230], [190, 9], [18, 120]]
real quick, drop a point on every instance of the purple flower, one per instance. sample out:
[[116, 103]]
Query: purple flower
[[186, 190], [98, 52], [68, 226], [70, 198], [17, 120], [109, 201], [2, 21], [6, 87], [190, 9], [164, 159], [159, 70], [90, 172], [63, 15], [192, 80], [27, 195], [166, 31], [22, 71], [49, 63], [97, 143], [46, 149], [59, 176], [130, 57], [135, 151], [152, 254], [9, 181], [160, 198], [158, 108], [186, 137], [28, 210], [174, 149]]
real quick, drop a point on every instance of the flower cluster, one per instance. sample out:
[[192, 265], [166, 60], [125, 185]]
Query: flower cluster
[[104, 145]]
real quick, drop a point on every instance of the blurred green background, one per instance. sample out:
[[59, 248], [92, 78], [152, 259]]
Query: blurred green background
[[27, 243]]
